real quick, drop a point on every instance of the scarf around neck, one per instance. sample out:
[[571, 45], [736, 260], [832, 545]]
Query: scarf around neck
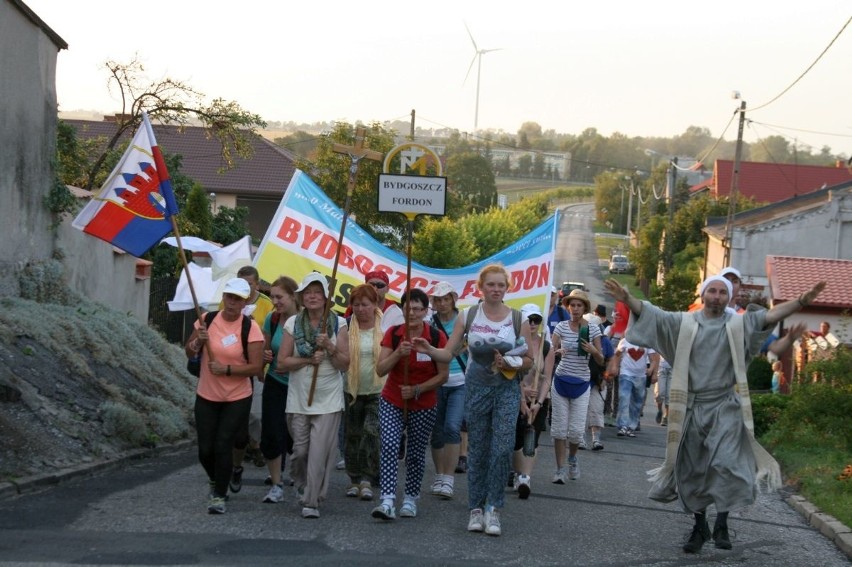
[[305, 336]]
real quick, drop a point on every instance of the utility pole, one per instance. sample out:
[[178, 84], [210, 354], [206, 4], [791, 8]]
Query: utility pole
[[629, 211], [411, 133], [735, 178], [671, 193]]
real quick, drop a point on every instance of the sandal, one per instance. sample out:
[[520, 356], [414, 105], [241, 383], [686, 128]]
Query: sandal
[[366, 491], [353, 491]]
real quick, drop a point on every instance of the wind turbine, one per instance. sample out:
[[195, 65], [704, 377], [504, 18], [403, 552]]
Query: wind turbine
[[477, 58]]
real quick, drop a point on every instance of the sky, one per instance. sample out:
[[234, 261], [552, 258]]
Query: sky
[[649, 68]]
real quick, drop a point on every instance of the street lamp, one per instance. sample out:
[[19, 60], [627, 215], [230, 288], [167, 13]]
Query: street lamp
[[212, 202]]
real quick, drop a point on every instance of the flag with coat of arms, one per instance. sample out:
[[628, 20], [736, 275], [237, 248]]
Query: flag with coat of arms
[[133, 209]]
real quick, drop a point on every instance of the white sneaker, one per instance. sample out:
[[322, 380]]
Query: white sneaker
[[446, 491], [492, 522], [308, 512], [582, 445], [436, 487], [275, 494], [559, 477], [573, 468], [523, 486], [477, 521]]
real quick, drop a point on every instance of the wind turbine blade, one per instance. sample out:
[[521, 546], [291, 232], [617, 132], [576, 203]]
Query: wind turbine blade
[[472, 61], [471, 37], [483, 51]]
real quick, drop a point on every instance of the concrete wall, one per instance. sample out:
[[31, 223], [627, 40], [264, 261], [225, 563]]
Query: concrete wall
[[93, 269], [27, 138], [822, 232]]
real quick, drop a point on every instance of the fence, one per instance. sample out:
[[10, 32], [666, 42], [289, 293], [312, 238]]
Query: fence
[[176, 326]]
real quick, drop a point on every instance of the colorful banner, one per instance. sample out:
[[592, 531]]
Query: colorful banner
[[303, 238], [133, 208]]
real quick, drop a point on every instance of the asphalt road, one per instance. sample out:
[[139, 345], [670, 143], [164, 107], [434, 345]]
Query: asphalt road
[[153, 512]]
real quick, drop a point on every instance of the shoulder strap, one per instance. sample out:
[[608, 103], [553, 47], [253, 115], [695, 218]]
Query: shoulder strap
[[273, 321], [516, 322], [435, 336], [395, 336], [471, 315], [437, 320]]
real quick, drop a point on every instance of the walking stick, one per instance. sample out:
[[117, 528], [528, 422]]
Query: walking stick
[[356, 154]]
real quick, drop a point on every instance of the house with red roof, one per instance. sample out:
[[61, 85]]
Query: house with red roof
[[817, 224], [789, 277], [257, 183], [771, 182]]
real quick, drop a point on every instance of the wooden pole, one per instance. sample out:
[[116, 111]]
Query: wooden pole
[[356, 153], [183, 261]]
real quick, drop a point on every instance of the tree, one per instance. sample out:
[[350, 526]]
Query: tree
[[299, 142], [444, 243], [171, 101], [772, 149], [524, 165], [197, 211], [330, 171], [538, 165], [470, 174]]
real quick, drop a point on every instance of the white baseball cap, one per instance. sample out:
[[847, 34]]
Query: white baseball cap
[[442, 289], [530, 309], [238, 287], [311, 278]]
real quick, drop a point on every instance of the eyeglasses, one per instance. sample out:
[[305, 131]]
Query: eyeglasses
[[378, 285], [416, 309], [535, 320]]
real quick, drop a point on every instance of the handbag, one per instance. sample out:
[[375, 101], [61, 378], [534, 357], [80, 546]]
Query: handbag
[[570, 386]]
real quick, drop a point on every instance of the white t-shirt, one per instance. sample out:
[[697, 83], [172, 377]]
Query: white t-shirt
[[634, 359], [328, 396]]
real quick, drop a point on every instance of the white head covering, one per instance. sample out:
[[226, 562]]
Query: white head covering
[[314, 277], [238, 287], [444, 288], [530, 309], [706, 282], [733, 271]]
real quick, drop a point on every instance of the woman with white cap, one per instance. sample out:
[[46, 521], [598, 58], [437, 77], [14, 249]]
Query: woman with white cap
[[313, 347], [446, 435], [223, 397], [575, 340], [534, 389]]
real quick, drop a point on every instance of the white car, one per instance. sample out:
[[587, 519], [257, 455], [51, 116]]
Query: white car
[[619, 265]]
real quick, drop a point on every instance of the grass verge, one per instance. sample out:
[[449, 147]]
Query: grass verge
[[816, 469]]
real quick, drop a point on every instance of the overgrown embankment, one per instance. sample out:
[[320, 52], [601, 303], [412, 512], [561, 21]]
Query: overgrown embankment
[[80, 382]]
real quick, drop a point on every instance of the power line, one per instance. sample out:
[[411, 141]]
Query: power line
[[811, 66], [802, 130]]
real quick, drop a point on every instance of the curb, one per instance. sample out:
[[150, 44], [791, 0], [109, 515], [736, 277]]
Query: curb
[[12, 488], [829, 526]]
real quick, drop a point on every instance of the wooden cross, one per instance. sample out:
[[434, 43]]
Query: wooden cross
[[356, 153]]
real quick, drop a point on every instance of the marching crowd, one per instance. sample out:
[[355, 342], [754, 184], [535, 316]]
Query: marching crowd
[[288, 378]]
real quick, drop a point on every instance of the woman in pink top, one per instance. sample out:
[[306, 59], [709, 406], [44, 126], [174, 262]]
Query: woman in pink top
[[223, 396]]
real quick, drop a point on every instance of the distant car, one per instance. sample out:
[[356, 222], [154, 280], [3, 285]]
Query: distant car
[[568, 287], [619, 265]]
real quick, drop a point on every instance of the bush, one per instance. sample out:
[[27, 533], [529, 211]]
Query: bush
[[759, 374], [766, 410]]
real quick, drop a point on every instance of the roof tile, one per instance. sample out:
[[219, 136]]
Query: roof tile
[[790, 276], [266, 173], [772, 182]]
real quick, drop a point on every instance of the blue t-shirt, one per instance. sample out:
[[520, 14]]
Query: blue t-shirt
[[275, 344], [558, 314]]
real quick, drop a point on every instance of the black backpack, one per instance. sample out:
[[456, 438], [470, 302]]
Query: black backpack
[[193, 365]]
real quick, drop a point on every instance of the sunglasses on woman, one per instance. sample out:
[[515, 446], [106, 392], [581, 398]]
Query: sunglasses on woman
[[535, 320], [378, 285]]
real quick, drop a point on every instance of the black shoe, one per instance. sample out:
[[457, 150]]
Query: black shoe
[[700, 534], [236, 483], [720, 537], [461, 467]]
